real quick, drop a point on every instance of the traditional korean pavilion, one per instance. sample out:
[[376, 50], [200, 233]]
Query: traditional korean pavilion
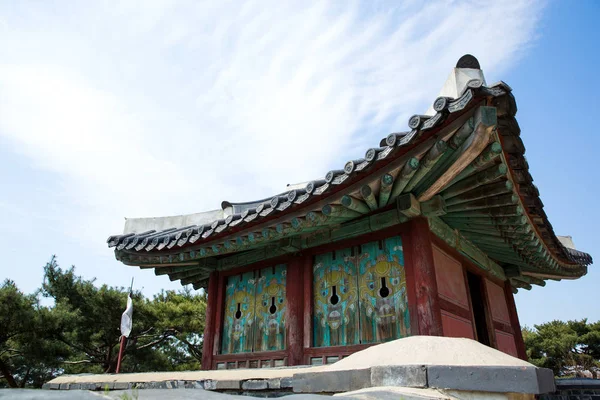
[[429, 233]]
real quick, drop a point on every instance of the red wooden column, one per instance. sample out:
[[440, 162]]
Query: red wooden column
[[295, 306], [209, 322], [419, 254], [514, 321], [308, 298]]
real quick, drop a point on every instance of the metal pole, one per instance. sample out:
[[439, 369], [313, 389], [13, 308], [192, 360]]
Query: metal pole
[[121, 348]]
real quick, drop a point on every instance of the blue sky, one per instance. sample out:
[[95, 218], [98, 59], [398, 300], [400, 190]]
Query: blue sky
[[114, 109]]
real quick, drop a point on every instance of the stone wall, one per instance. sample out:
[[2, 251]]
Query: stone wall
[[575, 389]]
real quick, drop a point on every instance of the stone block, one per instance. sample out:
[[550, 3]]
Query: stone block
[[399, 375], [107, 386], [209, 384], [171, 384], [65, 386], [227, 384], [95, 386], [255, 384], [286, 383], [490, 379], [198, 385], [274, 383], [51, 386], [332, 381], [546, 381], [121, 385], [140, 385]]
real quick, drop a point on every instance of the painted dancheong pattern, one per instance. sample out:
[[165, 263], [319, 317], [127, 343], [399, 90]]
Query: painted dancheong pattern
[[335, 319], [383, 300], [239, 321], [360, 295], [270, 309]]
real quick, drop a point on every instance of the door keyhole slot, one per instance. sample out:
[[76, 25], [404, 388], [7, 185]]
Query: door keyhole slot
[[384, 291], [334, 297], [238, 313], [273, 308]]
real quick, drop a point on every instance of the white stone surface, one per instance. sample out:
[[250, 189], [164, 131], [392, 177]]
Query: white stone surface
[[456, 83], [240, 374], [567, 241], [139, 225], [428, 350]]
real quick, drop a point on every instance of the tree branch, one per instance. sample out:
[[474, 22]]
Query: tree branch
[[83, 362]]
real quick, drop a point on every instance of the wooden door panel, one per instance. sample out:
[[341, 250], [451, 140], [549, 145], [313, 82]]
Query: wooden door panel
[[335, 319], [238, 319], [383, 300], [270, 309]]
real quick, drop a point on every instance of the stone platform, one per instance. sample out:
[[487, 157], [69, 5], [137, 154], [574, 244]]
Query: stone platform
[[418, 366]]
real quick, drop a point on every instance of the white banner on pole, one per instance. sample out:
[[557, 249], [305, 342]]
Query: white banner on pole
[[127, 318]]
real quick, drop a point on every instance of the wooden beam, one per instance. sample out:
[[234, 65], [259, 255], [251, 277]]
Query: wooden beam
[[520, 284], [482, 192], [477, 180], [333, 210], [485, 220], [427, 163], [186, 274], [307, 302], [193, 278], [485, 160], [408, 205], [434, 207], [449, 157], [367, 194], [404, 176], [354, 204], [485, 123], [209, 322], [294, 321], [387, 181], [420, 252], [507, 211], [486, 203]]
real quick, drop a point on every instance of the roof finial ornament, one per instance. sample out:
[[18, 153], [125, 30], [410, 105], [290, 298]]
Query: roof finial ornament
[[468, 61]]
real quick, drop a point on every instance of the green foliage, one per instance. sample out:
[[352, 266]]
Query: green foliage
[[27, 355], [80, 332], [567, 348]]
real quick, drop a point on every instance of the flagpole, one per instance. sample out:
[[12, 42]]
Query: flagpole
[[123, 336], [123, 341]]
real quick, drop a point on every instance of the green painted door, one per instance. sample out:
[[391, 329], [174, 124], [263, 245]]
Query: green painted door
[[270, 309], [335, 317], [238, 321], [359, 295], [254, 315], [382, 286]]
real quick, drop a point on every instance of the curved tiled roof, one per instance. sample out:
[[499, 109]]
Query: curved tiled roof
[[254, 211], [242, 219]]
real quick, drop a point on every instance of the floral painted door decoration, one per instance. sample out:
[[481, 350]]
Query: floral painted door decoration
[[360, 295], [270, 309], [238, 324], [335, 319], [254, 315]]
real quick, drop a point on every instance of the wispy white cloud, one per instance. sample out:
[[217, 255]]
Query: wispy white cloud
[[160, 107]]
